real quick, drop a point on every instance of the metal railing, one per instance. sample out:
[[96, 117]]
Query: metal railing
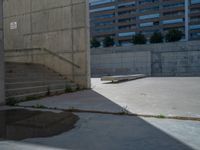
[[7, 51]]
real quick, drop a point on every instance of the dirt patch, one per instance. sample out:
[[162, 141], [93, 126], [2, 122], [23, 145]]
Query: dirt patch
[[19, 124]]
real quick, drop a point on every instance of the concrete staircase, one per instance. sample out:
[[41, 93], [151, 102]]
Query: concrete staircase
[[25, 81]]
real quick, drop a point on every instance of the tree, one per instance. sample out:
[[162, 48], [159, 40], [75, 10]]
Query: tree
[[139, 39], [173, 35], [95, 43], [157, 37], [108, 42]]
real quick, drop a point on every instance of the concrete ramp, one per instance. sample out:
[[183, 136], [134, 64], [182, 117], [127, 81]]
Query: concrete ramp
[[122, 77]]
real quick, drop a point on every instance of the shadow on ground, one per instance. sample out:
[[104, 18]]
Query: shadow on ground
[[98, 131]]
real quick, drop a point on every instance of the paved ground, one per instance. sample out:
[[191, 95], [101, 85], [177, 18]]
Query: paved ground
[[108, 132], [166, 96]]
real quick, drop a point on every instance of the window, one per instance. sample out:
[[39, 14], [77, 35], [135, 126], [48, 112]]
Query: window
[[173, 21], [195, 19], [173, 13], [104, 23], [98, 2], [195, 35], [147, 24], [129, 4], [173, 5], [147, 1], [194, 27], [103, 9], [127, 20], [103, 16], [195, 1], [105, 29], [149, 16], [149, 9], [126, 34], [126, 27]]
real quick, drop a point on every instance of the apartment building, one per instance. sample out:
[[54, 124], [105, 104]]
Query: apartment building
[[121, 19]]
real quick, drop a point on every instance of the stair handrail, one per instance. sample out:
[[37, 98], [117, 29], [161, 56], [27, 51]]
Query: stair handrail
[[45, 50]]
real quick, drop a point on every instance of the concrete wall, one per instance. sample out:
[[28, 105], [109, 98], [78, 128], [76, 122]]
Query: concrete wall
[[121, 63], [61, 26], [168, 59], [1, 55]]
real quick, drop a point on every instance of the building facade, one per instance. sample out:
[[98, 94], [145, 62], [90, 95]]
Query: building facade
[[121, 19]]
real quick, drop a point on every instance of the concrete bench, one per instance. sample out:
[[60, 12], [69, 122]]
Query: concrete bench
[[122, 77]]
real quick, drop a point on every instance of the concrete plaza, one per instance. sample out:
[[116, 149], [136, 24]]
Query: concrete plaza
[[166, 96], [152, 96], [172, 96]]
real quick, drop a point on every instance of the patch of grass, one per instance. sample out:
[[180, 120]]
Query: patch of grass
[[161, 116], [124, 111], [78, 88], [39, 106], [68, 89], [29, 98]]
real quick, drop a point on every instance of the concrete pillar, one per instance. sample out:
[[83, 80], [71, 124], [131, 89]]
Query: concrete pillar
[[2, 93]]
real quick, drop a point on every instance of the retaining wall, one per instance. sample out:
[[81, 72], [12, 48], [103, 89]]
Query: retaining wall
[[61, 26], [167, 59]]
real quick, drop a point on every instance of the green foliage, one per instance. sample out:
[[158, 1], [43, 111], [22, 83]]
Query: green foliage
[[30, 98], [68, 89], [124, 111], [157, 37], [39, 106], [139, 39], [95, 43], [108, 42], [161, 116], [78, 88], [12, 102], [173, 35]]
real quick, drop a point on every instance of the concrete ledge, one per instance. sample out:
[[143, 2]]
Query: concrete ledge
[[122, 77]]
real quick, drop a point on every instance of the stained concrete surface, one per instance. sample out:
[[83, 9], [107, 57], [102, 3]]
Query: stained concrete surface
[[18, 124], [109, 132]]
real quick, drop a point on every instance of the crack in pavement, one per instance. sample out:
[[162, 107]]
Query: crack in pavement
[[118, 113]]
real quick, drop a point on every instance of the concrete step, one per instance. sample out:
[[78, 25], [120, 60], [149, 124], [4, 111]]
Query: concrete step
[[36, 83], [26, 90], [17, 64], [22, 65], [33, 80], [27, 69], [24, 68], [27, 96], [35, 95], [21, 91], [31, 74]]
